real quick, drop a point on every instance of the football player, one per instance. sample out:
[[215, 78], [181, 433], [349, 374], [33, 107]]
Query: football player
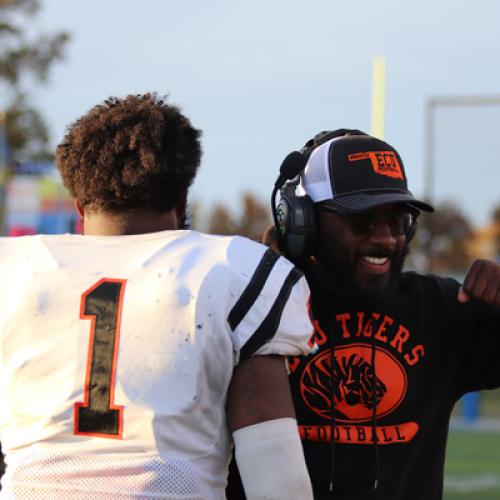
[[130, 354]]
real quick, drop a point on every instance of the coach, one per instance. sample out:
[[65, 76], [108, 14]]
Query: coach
[[396, 350]]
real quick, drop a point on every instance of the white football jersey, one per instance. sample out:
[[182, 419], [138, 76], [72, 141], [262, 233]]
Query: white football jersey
[[116, 353]]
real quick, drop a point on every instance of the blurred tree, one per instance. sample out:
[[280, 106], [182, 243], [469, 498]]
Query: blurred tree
[[254, 218], [251, 222], [220, 221], [450, 230], [23, 59]]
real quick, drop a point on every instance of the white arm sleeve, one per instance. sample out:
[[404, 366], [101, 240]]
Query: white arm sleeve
[[271, 461]]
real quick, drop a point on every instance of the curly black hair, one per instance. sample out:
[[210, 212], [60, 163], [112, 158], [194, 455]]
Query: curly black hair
[[133, 153]]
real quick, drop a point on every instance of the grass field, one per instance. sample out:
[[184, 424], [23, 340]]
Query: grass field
[[472, 468]]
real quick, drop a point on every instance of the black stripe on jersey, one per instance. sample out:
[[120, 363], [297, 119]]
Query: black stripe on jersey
[[268, 327], [252, 290]]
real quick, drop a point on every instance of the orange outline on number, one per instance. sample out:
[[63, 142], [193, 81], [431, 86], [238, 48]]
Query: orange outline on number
[[85, 402]]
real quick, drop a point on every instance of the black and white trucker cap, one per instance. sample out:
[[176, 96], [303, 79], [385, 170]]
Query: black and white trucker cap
[[356, 173]]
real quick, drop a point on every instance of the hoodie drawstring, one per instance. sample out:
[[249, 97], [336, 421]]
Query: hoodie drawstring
[[374, 408], [374, 413], [332, 408]]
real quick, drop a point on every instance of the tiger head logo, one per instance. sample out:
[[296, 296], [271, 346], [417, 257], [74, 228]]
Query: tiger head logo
[[356, 389], [354, 382]]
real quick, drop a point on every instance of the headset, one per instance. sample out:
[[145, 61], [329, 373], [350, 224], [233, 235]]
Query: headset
[[295, 225], [294, 216]]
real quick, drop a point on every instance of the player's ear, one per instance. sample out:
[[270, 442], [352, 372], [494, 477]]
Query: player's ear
[[79, 209]]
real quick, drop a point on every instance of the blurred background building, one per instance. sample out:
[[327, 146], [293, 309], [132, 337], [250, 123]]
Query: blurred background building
[[36, 202]]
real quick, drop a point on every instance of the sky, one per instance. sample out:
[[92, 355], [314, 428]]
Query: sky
[[262, 77]]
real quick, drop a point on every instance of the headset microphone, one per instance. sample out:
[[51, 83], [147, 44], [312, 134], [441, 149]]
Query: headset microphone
[[291, 166]]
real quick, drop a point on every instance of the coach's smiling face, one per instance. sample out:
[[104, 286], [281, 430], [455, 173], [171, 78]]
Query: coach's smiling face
[[362, 255]]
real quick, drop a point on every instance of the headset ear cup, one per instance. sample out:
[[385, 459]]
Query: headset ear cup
[[281, 226], [296, 231]]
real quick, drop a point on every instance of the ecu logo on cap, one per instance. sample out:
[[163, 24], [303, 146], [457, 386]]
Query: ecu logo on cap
[[383, 162]]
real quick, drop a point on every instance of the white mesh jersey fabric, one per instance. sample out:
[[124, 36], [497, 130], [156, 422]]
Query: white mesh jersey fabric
[[70, 476], [172, 364]]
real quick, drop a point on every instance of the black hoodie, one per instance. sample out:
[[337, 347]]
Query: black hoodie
[[429, 351]]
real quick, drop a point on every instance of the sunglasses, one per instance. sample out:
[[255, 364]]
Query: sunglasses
[[399, 221]]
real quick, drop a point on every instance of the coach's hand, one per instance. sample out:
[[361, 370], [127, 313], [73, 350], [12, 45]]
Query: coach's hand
[[482, 283]]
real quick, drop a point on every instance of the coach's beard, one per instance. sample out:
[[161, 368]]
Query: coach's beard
[[339, 278]]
